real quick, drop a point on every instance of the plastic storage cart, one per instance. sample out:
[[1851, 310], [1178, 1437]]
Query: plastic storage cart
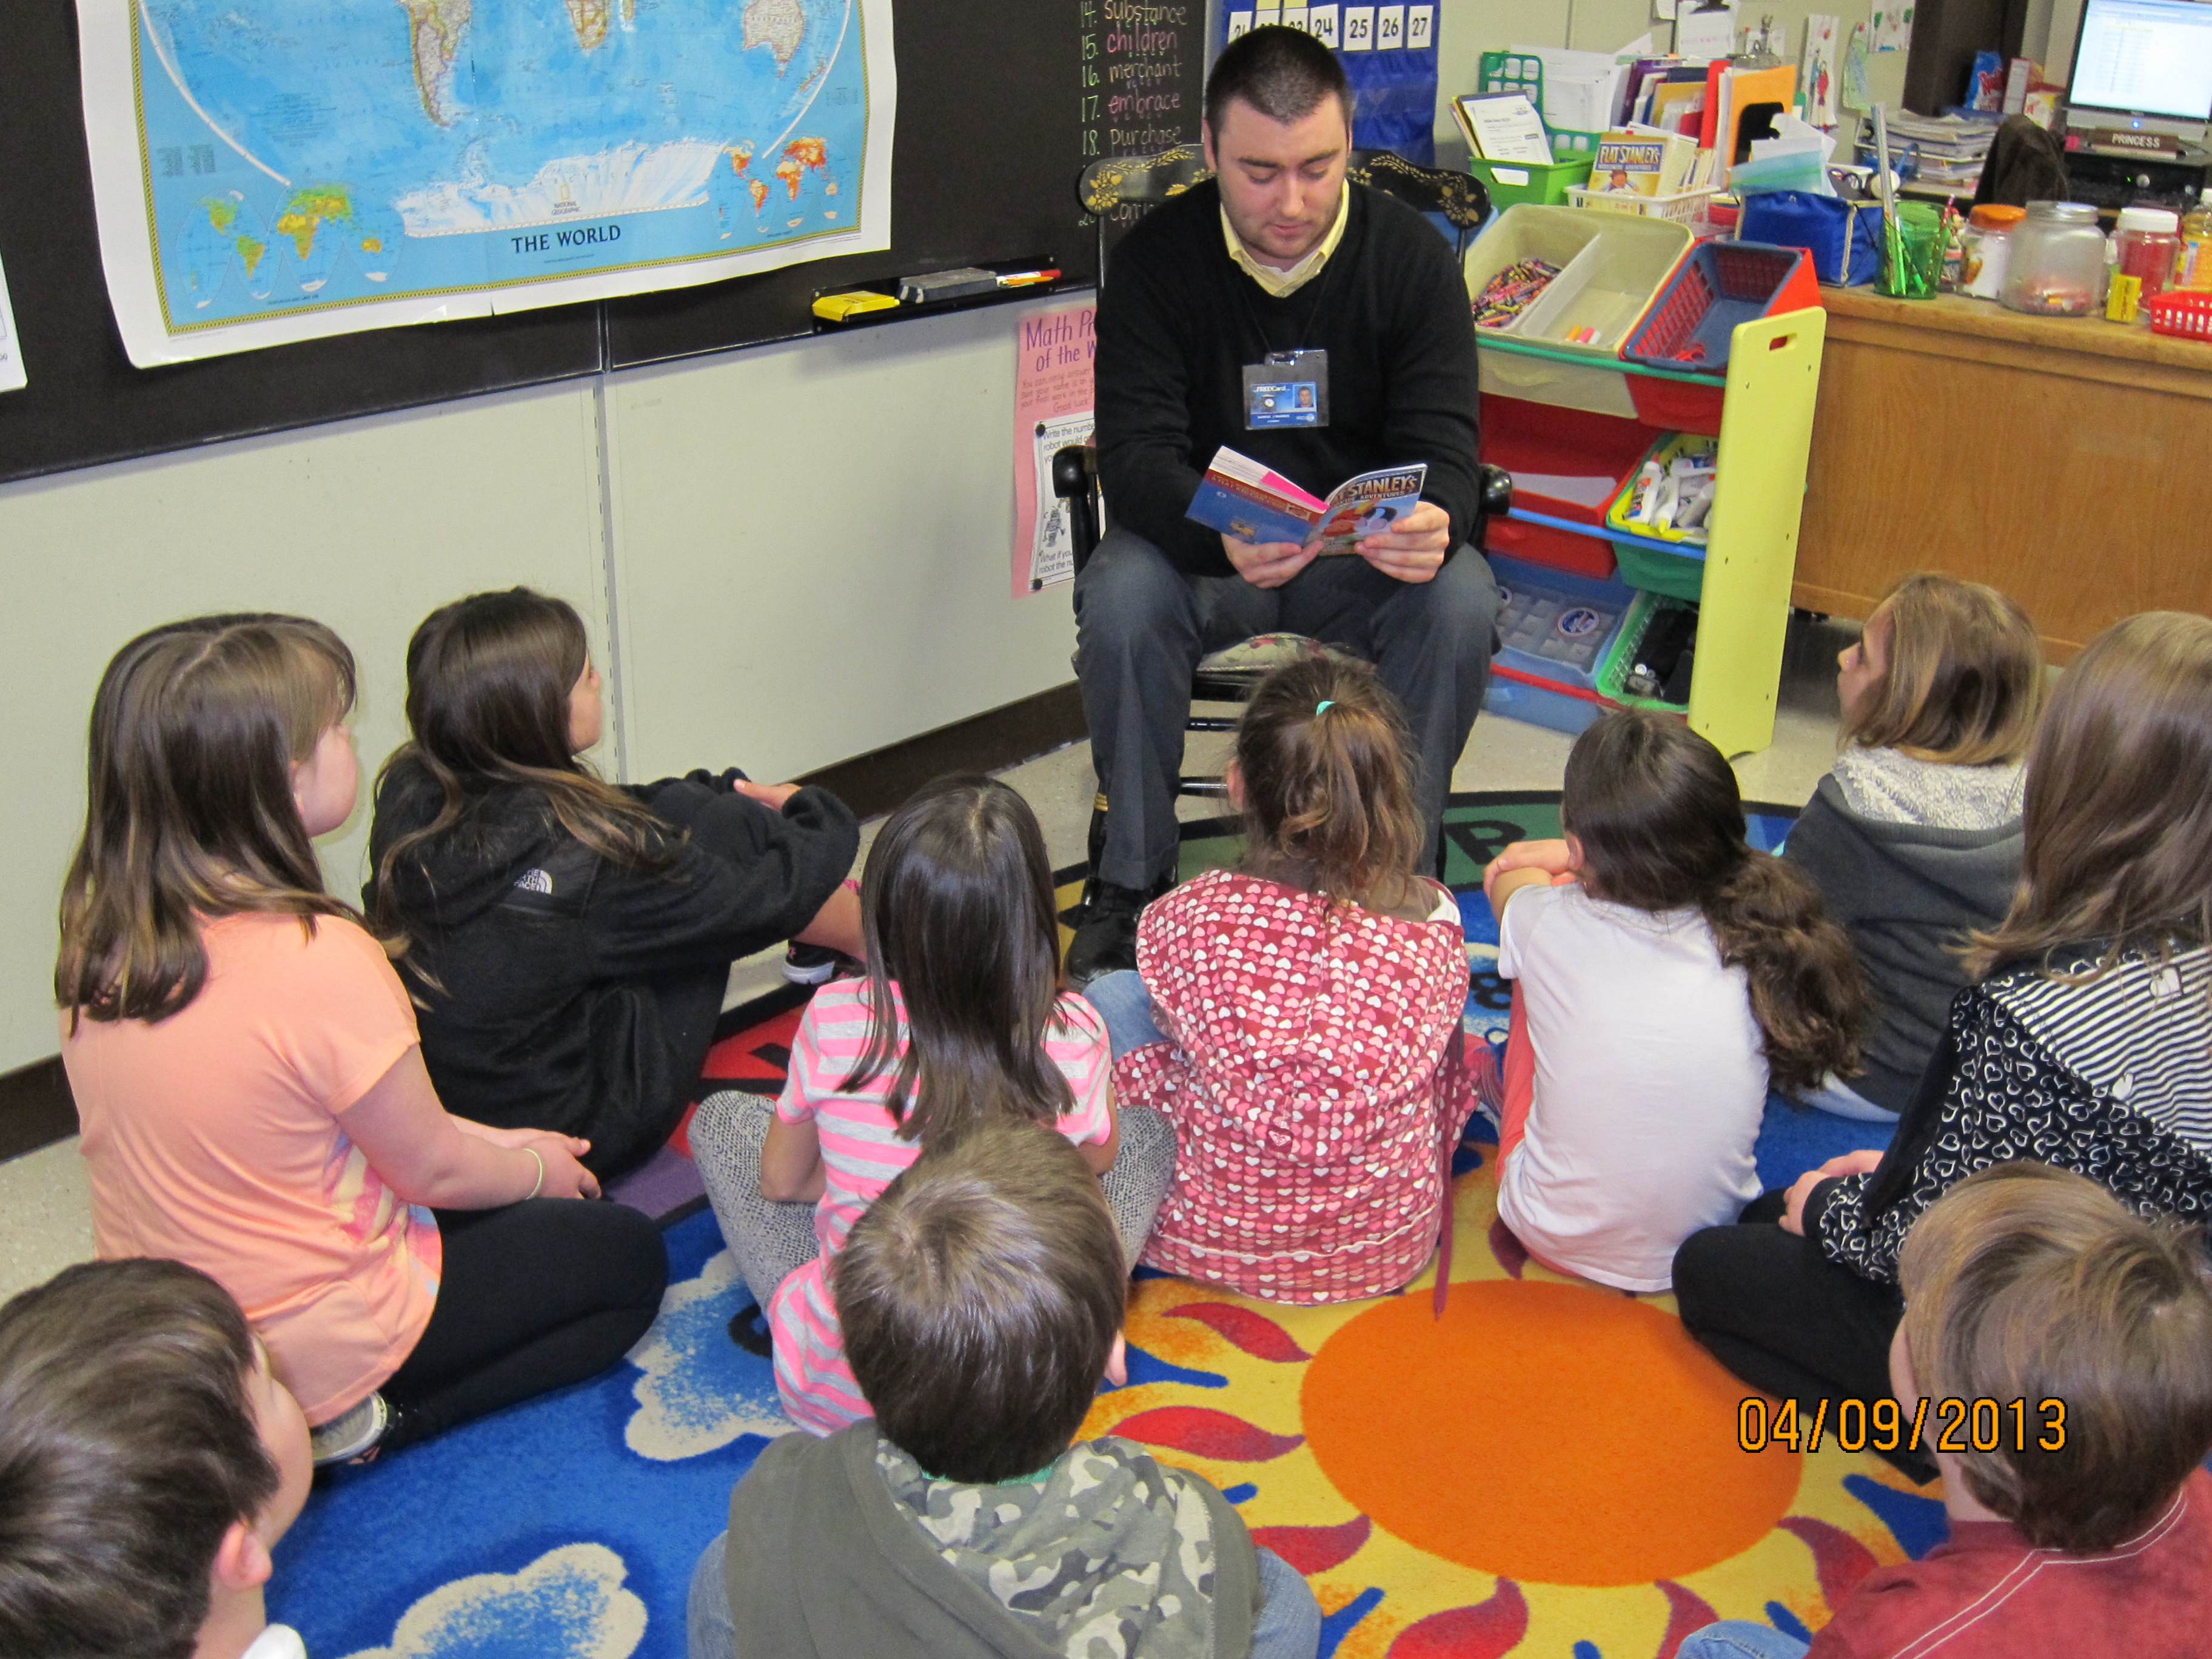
[[1761, 409]]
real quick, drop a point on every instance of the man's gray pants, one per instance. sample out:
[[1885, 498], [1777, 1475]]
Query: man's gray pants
[[1142, 625]]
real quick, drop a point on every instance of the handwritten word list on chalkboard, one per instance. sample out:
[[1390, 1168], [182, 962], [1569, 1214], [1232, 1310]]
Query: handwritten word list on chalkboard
[[1143, 76]]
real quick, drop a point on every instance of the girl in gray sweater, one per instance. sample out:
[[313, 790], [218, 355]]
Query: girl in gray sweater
[[1914, 837]]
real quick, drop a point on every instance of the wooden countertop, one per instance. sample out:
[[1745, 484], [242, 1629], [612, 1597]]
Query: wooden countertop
[[2081, 348]]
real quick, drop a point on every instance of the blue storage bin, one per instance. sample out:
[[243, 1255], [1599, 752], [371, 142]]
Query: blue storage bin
[[1557, 625], [1541, 705]]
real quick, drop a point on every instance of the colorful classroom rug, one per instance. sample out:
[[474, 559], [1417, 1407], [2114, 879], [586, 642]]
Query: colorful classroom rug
[[1551, 1468]]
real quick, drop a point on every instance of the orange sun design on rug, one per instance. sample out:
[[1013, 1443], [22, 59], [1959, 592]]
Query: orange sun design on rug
[[1552, 1468]]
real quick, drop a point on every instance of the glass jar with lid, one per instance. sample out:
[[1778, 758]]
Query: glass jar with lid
[[2148, 241], [1986, 248], [2055, 265]]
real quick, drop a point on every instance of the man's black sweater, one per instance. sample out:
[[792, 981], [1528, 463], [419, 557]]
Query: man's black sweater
[[1178, 320]]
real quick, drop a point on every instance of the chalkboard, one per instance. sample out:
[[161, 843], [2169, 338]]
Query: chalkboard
[[994, 117], [1142, 80]]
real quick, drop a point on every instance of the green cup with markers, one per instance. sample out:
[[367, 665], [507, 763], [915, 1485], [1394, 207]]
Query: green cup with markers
[[1913, 266]]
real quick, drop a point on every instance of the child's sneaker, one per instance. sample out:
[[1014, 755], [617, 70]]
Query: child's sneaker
[[812, 965], [347, 1436]]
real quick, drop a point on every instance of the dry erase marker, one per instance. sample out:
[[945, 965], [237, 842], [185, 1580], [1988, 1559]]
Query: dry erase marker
[[1023, 278]]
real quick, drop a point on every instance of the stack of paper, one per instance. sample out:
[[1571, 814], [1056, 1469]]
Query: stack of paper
[[1503, 126], [1948, 149], [1582, 89]]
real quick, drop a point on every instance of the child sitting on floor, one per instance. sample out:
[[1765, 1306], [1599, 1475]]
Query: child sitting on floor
[[2085, 1041], [245, 1066], [1654, 997], [981, 1297], [1914, 839], [570, 943], [1297, 1019], [2085, 1531], [961, 1013], [149, 1461]]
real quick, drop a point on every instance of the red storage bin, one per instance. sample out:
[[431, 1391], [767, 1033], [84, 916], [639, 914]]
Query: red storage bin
[[1678, 406], [1718, 286], [1550, 546]]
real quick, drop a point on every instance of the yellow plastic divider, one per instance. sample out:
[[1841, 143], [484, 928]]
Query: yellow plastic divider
[[1766, 435]]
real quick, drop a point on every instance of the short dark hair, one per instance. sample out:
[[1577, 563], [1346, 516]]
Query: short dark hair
[[980, 1297], [1283, 73], [2026, 1282], [128, 1447]]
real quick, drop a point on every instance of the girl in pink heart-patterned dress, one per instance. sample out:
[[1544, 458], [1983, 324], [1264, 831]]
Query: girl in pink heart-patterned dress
[[1308, 1002]]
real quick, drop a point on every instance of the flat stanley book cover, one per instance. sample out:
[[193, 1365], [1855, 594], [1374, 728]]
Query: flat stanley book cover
[[1241, 497]]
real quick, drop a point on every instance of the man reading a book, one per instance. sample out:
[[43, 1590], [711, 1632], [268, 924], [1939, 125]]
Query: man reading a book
[[1278, 269]]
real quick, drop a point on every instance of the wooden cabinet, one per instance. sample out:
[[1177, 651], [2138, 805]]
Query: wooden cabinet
[[2066, 460]]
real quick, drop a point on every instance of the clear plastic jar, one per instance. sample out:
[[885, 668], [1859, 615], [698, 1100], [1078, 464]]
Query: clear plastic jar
[[2148, 241], [2057, 262], [1986, 248]]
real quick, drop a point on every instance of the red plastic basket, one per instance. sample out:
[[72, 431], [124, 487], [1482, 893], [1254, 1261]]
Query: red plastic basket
[[2187, 313], [1717, 286]]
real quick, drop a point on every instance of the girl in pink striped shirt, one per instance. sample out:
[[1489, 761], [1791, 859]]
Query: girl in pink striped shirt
[[962, 1015]]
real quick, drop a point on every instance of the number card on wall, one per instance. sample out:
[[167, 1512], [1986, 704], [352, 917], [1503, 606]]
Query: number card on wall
[[1358, 29]]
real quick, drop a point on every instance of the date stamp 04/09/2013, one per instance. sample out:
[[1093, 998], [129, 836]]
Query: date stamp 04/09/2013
[[1949, 1424]]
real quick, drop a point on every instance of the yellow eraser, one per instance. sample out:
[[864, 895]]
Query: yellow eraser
[[836, 308]]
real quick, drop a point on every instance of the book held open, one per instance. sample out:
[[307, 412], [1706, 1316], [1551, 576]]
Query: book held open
[[1243, 498]]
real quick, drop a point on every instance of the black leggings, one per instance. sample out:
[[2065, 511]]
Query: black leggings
[[1770, 1306], [533, 1296]]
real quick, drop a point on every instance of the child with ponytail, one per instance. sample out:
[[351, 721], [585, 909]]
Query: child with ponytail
[[1665, 973], [245, 1064], [1297, 1019]]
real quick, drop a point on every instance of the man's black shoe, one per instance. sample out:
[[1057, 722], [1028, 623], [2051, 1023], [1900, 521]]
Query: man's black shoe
[[1107, 940]]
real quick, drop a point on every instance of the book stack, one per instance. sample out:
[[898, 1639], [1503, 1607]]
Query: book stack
[[1947, 151]]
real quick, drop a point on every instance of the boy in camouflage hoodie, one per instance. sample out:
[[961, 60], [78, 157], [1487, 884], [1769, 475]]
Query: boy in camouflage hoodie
[[981, 1297]]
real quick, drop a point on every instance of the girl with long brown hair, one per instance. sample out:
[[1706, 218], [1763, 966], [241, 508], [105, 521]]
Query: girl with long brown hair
[[2085, 1042], [1914, 838], [246, 1064], [1295, 1018], [1665, 973], [961, 1018], [567, 941]]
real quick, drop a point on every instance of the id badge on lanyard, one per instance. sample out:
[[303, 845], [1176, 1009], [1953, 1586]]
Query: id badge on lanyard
[[1287, 388]]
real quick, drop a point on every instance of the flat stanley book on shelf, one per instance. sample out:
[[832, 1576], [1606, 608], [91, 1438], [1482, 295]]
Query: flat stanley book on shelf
[[1642, 161], [1241, 498]]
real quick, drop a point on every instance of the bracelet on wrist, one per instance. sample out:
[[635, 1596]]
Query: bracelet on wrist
[[538, 1185]]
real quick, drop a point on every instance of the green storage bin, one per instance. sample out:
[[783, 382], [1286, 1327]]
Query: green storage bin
[[1528, 181], [1613, 672], [1662, 570]]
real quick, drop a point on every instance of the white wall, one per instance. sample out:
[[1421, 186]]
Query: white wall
[[812, 546], [809, 554]]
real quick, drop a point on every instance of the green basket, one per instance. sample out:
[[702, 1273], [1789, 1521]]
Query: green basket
[[1621, 658], [1660, 570], [1528, 181]]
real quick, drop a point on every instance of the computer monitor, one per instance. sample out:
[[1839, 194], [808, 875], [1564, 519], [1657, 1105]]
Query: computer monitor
[[2144, 66]]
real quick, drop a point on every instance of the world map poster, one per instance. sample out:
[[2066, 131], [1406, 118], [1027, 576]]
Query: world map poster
[[275, 170]]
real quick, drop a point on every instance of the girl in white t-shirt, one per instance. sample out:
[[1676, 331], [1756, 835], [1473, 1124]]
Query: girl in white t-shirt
[[1665, 972]]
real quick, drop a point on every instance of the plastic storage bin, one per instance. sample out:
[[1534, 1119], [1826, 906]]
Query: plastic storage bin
[[1558, 630], [1616, 514], [1611, 267], [1678, 576], [1690, 324], [1567, 464], [1685, 207], [1620, 655], [2184, 311], [1512, 182]]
